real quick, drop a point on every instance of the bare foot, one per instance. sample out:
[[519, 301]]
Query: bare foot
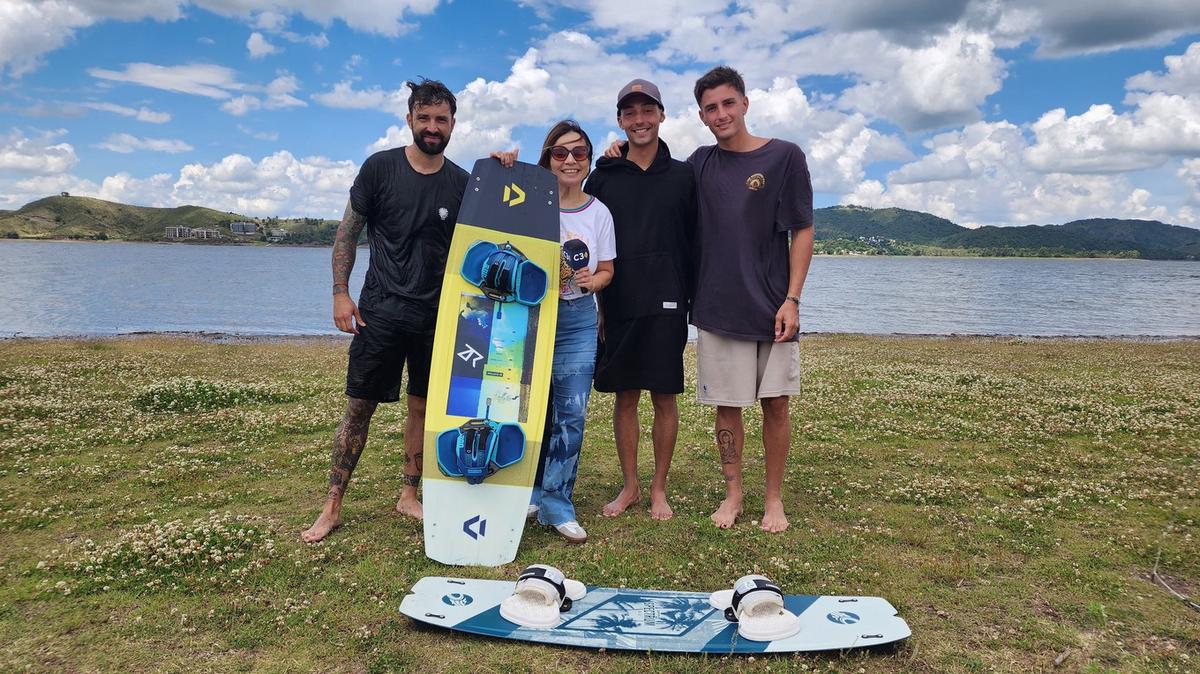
[[410, 505], [727, 513], [326, 522], [621, 503], [659, 508], [774, 521]]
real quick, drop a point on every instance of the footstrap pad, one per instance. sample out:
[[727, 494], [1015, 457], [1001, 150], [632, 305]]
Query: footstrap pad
[[752, 594], [479, 448], [504, 273]]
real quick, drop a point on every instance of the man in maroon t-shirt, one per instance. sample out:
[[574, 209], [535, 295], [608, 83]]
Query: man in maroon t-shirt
[[756, 243]]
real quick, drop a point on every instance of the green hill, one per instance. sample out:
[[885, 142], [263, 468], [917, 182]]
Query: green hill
[[856, 229], [88, 218], [839, 229], [852, 222]]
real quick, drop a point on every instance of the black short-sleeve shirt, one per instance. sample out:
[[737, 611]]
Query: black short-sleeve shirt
[[410, 219], [748, 202]]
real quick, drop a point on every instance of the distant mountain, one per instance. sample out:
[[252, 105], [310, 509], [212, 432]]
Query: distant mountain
[[87, 218], [839, 229], [857, 229], [851, 222]]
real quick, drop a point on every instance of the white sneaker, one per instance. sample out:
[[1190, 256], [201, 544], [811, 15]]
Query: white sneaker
[[531, 512], [572, 532]]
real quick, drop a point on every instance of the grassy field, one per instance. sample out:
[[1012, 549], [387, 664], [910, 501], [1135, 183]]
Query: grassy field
[[1009, 496]]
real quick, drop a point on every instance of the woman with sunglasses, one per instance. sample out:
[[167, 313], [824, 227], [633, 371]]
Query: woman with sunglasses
[[589, 247]]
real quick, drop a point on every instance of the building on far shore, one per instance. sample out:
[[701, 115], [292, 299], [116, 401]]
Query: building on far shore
[[243, 228], [205, 234], [276, 235], [178, 233]]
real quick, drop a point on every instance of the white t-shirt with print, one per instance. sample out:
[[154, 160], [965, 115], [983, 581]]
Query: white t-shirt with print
[[592, 225]]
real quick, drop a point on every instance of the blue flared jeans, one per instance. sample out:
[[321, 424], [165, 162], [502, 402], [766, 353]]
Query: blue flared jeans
[[570, 388]]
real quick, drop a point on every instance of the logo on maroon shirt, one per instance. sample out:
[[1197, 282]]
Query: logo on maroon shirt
[[756, 182]]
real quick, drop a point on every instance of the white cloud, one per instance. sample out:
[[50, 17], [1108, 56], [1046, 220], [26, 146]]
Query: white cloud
[[1165, 122], [345, 96], [279, 184], [1182, 76], [980, 176], [319, 40], [932, 86], [36, 155], [1189, 173], [259, 47], [124, 188], [278, 95], [37, 165], [142, 114], [259, 135], [126, 143], [31, 28], [199, 79]]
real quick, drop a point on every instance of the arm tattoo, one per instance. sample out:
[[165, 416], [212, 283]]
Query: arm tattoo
[[345, 245], [727, 446]]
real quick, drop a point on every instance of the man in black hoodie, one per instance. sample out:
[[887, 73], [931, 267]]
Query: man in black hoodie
[[644, 310]]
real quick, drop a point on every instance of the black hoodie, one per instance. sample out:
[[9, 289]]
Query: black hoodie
[[654, 219]]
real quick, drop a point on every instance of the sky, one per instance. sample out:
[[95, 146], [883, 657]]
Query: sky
[[985, 112]]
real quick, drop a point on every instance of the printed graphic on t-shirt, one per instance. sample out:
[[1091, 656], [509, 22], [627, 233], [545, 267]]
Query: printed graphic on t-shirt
[[756, 182]]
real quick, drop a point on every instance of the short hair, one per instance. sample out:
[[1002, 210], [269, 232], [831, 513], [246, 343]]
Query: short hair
[[718, 76], [558, 131], [430, 92]]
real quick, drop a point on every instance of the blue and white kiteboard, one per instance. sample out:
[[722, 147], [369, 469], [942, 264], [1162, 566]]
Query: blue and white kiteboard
[[654, 620]]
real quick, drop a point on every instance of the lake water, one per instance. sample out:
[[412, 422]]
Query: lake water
[[69, 288]]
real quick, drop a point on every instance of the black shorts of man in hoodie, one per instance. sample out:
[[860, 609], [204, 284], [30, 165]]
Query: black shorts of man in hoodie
[[644, 310]]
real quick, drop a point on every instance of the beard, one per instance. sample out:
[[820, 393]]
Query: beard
[[430, 148]]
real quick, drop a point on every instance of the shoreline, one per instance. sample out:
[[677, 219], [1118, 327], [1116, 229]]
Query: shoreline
[[261, 244], [216, 337]]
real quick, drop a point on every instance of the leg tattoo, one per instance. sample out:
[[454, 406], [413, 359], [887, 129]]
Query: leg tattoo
[[727, 446], [348, 443]]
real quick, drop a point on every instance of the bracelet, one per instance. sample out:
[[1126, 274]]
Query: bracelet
[[794, 298], [344, 288]]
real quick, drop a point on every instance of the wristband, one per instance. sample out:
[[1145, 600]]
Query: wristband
[[794, 298]]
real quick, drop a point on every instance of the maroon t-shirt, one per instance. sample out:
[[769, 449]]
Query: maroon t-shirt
[[749, 202]]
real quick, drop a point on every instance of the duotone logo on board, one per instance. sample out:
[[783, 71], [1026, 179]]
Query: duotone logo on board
[[513, 195]]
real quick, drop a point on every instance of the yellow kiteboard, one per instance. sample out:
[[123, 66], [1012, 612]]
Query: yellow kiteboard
[[490, 376]]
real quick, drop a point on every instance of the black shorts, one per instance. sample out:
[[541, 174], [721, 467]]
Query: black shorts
[[378, 354], [642, 354]]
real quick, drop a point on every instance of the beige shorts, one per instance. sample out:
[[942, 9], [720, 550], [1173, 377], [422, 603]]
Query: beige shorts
[[736, 372]]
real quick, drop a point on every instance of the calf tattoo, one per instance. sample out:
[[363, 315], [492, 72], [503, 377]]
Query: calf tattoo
[[348, 443], [727, 446], [413, 463]]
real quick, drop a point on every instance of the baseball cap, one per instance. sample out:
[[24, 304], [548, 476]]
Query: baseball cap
[[640, 86]]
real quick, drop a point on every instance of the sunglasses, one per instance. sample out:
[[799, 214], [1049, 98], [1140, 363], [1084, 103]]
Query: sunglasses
[[559, 153]]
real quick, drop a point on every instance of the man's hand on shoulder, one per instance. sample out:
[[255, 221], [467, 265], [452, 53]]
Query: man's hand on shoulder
[[614, 150], [787, 321]]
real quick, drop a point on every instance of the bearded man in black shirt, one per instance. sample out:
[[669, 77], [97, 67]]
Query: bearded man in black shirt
[[408, 200]]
